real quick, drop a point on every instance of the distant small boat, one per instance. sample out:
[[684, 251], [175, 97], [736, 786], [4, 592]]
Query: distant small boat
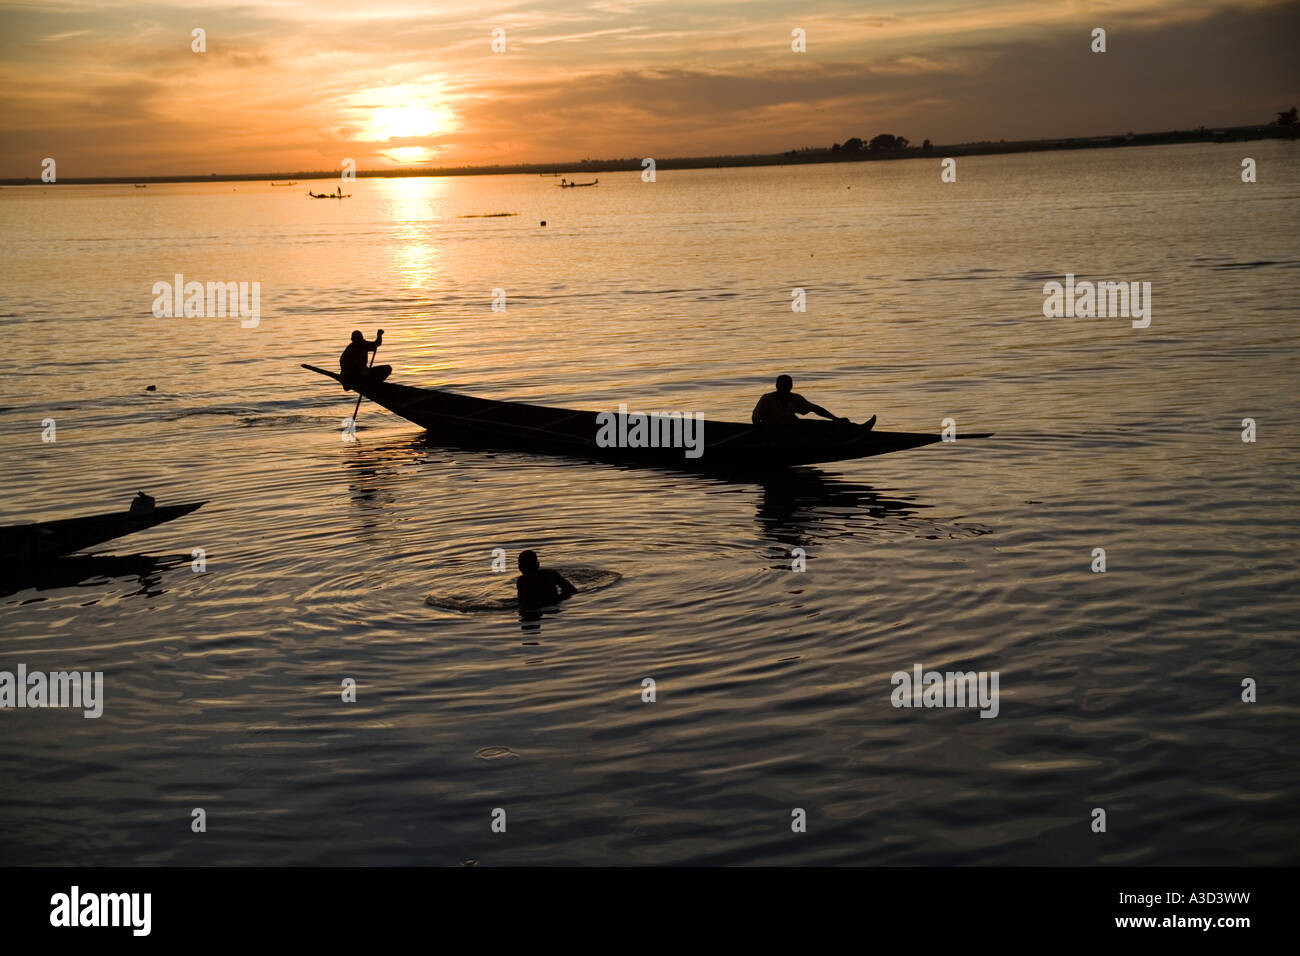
[[294, 183], [141, 186], [564, 185], [328, 195]]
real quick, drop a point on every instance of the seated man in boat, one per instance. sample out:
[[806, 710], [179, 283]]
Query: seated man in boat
[[539, 587], [782, 408], [352, 363]]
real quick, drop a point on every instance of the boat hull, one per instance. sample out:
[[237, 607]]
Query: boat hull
[[52, 539], [468, 422]]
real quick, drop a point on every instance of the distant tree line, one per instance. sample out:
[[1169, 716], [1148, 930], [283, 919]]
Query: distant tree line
[[884, 143]]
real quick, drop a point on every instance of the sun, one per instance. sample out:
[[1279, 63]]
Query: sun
[[405, 121], [397, 122], [409, 155]]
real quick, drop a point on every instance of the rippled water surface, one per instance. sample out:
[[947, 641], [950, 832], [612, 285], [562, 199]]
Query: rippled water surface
[[1119, 690]]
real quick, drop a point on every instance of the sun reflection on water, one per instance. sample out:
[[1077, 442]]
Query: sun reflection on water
[[415, 206]]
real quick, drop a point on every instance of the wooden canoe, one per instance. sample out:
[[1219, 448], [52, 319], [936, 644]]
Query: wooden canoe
[[40, 540], [468, 422]]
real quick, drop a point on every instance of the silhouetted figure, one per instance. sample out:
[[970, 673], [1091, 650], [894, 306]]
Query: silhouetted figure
[[783, 407], [352, 363], [540, 587]]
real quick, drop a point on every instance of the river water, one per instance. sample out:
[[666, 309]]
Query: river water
[[1119, 690]]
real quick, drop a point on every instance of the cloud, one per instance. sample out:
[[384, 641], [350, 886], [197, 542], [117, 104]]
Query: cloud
[[289, 84], [55, 37]]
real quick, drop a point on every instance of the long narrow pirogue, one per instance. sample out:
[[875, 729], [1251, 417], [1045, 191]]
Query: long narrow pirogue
[[469, 422], [36, 541]]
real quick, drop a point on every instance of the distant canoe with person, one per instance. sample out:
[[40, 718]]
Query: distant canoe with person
[[564, 184]]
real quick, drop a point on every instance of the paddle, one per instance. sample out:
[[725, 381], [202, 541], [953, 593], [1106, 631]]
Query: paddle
[[368, 367]]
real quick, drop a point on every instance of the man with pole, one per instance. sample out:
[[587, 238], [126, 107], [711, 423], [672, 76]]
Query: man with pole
[[354, 370]]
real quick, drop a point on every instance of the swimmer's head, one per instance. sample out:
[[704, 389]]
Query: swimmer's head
[[528, 562]]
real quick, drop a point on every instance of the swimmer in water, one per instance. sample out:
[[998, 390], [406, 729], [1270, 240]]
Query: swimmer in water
[[539, 587]]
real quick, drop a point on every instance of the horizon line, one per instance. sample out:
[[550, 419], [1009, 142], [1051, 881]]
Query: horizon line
[[807, 155]]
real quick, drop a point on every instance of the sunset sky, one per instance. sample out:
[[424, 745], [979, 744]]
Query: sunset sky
[[113, 88]]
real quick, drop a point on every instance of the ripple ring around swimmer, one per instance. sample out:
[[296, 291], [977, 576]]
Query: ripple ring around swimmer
[[499, 595]]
